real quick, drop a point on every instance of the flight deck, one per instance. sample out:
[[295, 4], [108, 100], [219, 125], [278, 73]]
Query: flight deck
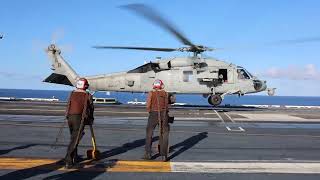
[[205, 143]]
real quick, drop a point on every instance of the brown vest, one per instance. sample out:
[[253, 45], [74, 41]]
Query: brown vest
[[155, 98], [81, 103]]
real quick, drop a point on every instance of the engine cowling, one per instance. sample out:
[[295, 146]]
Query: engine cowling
[[181, 62], [164, 65]]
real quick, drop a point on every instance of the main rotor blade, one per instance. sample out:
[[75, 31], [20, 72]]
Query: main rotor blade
[[136, 48], [150, 14], [295, 41], [287, 42]]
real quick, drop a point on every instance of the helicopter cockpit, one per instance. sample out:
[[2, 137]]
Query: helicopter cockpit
[[243, 73]]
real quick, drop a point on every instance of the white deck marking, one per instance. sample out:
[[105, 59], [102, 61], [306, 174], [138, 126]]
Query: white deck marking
[[271, 117], [240, 129], [247, 167], [229, 117], [236, 130], [219, 116]]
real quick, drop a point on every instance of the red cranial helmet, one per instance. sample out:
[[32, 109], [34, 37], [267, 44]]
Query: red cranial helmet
[[158, 84], [82, 83]]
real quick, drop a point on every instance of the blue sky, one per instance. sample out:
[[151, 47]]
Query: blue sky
[[241, 27]]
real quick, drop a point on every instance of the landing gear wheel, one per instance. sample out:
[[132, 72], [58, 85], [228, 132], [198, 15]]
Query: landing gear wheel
[[93, 154], [215, 100]]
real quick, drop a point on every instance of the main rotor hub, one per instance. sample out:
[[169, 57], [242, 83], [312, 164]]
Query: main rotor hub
[[196, 49]]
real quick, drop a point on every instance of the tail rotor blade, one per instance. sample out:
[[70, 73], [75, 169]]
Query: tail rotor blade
[[57, 35]]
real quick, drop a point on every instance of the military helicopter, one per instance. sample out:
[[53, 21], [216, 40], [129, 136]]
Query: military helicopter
[[212, 78]]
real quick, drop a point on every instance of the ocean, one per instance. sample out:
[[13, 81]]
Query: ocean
[[122, 97]]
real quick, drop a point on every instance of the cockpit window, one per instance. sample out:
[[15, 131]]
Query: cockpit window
[[242, 74], [250, 75]]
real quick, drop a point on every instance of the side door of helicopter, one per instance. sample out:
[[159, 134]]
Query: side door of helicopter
[[226, 75], [225, 80]]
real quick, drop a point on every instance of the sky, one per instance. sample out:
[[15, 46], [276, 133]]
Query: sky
[[257, 35]]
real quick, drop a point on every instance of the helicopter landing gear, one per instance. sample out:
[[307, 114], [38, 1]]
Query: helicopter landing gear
[[215, 100]]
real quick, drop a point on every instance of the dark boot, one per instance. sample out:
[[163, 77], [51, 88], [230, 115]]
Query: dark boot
[[147, 156], [76, 158], [68, 166], [164, 158]]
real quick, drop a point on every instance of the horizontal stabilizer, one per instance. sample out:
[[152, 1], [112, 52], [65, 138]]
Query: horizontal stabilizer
[[58, 79]]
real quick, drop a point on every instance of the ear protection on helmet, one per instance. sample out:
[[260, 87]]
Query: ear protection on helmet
[[82, 83], [158, 84]]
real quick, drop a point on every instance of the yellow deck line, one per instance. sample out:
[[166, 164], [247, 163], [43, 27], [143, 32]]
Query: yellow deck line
[[141, 166], [157, 166], [116, 166]]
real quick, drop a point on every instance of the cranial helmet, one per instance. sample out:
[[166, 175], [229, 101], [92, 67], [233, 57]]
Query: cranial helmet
[[82, 83], [158, 84]]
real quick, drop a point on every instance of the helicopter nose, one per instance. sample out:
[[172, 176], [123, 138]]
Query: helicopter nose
[[259, 85]]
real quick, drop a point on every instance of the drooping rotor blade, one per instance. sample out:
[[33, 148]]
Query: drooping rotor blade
[[136, 48], [295, 41], [287, 42], [150, 14]]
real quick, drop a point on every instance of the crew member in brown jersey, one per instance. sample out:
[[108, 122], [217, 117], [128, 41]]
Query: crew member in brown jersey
[[157, 106], [79, 112]]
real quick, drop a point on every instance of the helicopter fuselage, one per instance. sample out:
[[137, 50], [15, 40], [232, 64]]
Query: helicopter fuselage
[[185, 75]]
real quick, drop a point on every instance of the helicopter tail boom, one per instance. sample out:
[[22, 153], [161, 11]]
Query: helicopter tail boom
[[63, 73]]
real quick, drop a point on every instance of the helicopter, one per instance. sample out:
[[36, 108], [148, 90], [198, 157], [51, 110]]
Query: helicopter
[[210, 77]]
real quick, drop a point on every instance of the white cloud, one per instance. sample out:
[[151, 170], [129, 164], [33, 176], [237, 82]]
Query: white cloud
[[293, 72], [19, 76]]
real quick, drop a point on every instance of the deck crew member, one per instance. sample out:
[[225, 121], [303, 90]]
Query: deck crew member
[[157, 106], [78, 113]]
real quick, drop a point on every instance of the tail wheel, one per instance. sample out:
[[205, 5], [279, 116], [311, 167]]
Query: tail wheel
[[215, 100]]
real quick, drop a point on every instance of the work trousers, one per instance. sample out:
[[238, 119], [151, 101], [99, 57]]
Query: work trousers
[[74, 122], [153, 121]]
